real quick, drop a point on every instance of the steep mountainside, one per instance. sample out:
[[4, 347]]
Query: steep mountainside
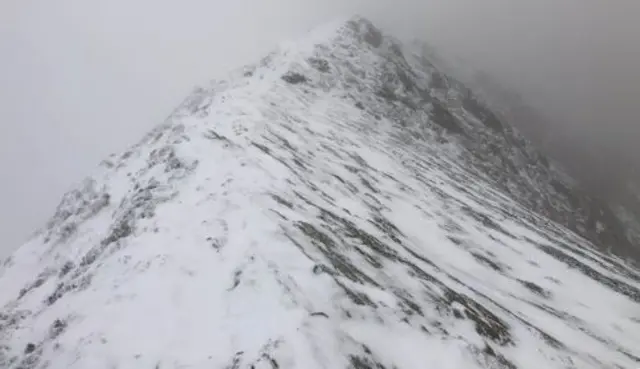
[[341, 204], [535, 180], [606, 176]]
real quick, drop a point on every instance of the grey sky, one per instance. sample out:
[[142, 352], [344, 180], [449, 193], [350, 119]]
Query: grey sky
[[83, 78]]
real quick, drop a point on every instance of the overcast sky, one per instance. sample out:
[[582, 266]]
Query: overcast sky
[[80, 79]]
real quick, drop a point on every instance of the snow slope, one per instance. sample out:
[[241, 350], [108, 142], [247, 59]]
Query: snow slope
[[309, 212]]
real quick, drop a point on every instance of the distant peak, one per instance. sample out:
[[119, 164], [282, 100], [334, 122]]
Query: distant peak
[[366, 30]]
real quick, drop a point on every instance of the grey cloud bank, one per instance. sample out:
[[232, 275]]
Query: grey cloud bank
[[82, 79]]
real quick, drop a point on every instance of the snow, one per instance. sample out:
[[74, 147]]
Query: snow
[[276, 225]]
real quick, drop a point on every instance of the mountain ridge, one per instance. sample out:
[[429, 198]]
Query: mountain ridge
[[307, 212]]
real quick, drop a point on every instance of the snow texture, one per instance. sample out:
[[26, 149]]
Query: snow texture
[[333, 206]]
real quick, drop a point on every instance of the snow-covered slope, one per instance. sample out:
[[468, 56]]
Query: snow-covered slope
[[599, 197], [333, 206]]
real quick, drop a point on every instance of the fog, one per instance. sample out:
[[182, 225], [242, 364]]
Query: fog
[[81, 79]]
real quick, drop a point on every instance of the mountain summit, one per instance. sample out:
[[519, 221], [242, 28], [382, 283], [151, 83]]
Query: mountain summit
[[340, 204]]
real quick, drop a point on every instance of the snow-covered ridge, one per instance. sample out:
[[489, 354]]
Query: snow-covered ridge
[[319, 209]]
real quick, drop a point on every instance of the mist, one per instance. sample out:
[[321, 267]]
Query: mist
[[84, 78]]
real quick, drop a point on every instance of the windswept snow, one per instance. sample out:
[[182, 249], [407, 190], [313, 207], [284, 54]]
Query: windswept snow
[[309, 212]]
